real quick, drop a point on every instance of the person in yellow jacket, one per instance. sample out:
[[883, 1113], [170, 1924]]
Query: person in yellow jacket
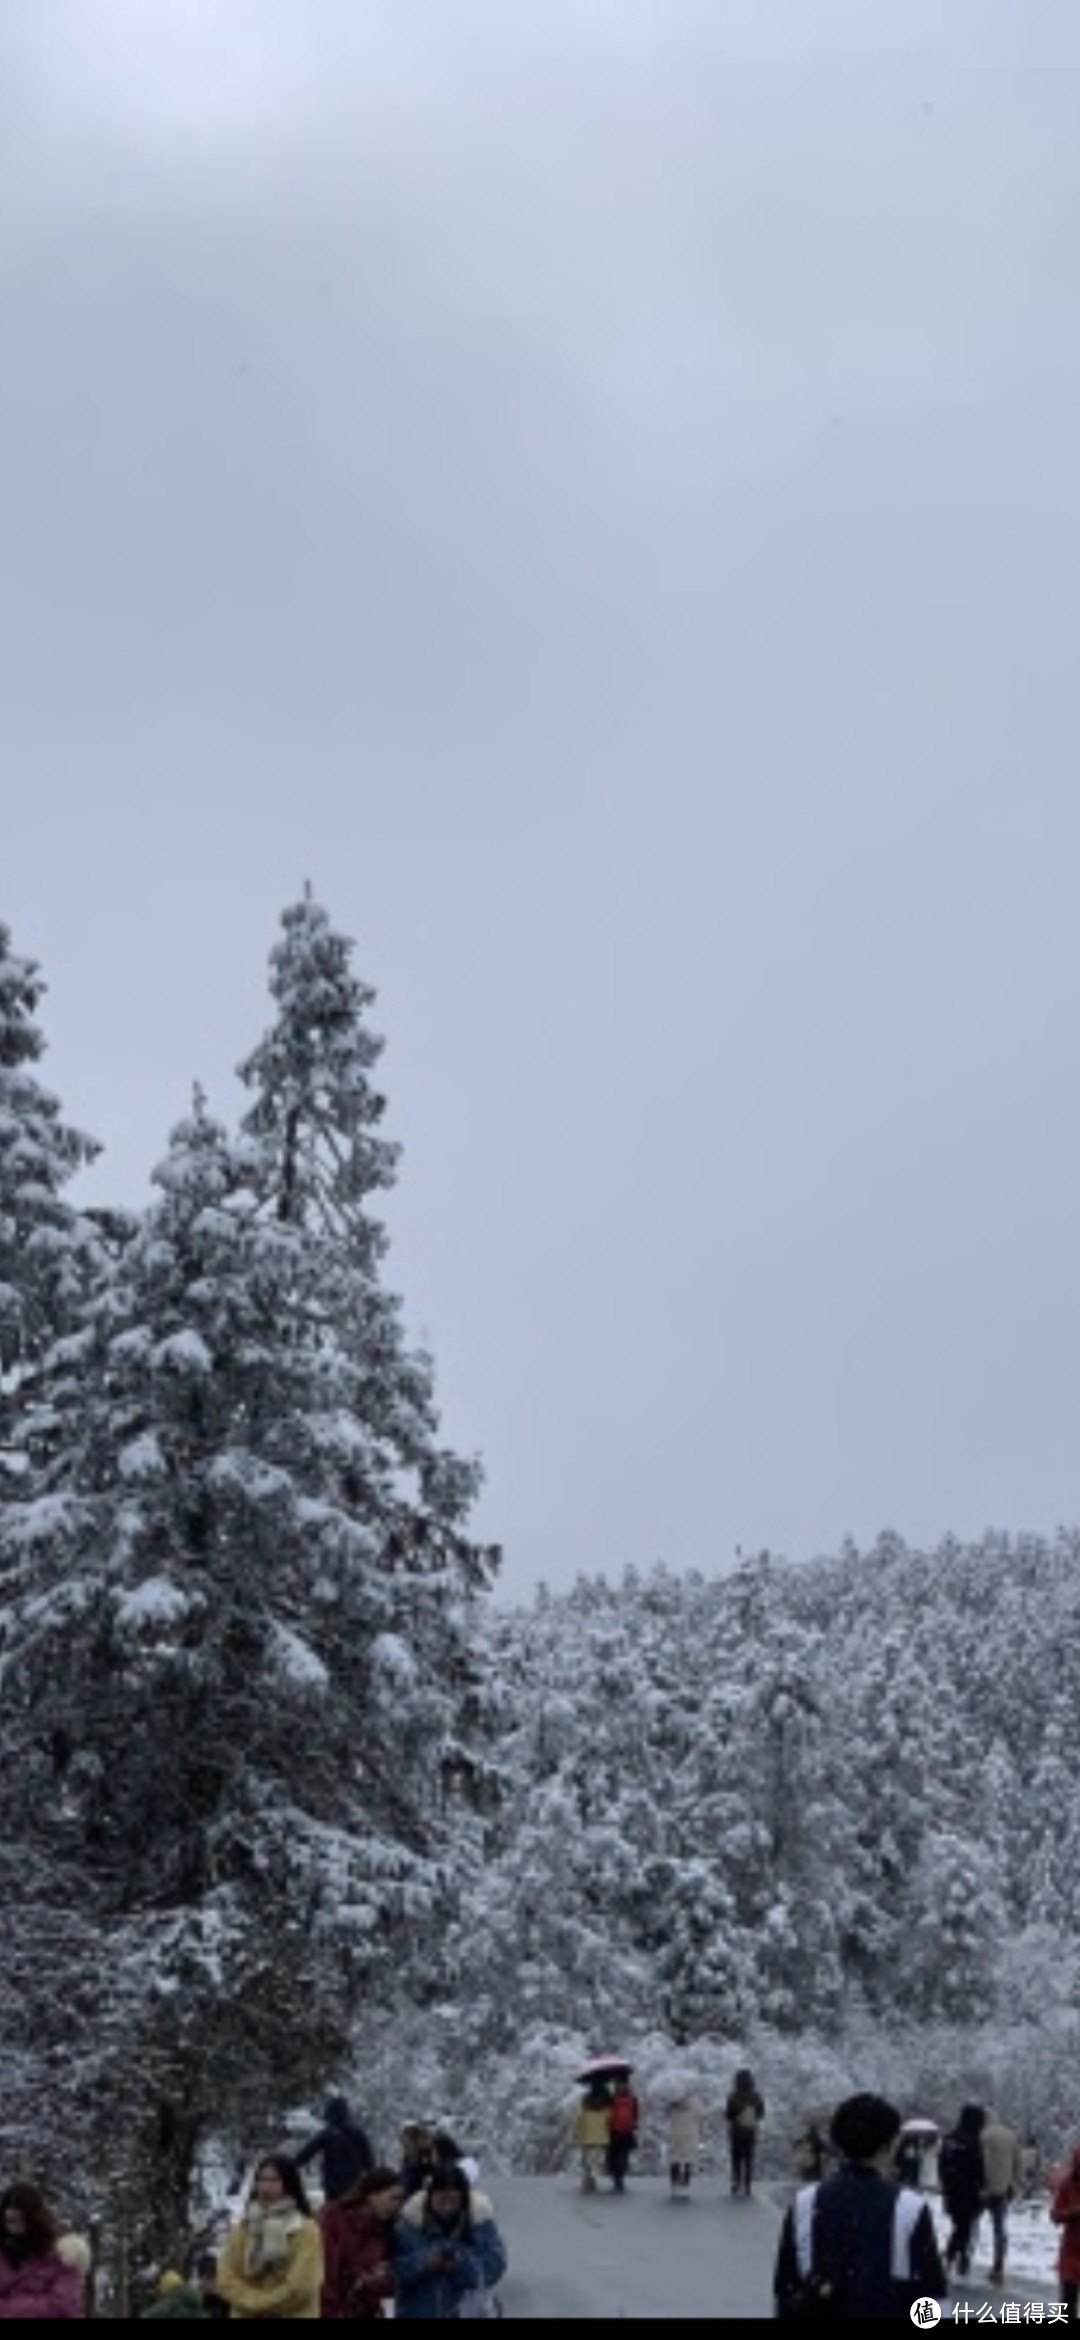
[[594, 2133], [272, 2262]]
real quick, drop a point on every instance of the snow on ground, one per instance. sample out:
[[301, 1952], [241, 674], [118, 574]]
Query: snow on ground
[[647, 2257], [1033, 2243]]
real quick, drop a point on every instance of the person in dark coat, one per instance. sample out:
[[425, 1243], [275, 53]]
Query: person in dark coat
[[963, 2185], [744, 2112], [345, 2152], [871, 2241]]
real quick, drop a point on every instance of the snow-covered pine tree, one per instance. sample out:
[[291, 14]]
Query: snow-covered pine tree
[[46, 1247], [242, 1666]]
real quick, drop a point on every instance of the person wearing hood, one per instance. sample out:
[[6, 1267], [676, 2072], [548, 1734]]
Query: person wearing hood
[[960, 2176], [448, 2254], [41, 2277], [272, 2264], [1003, 2177], [343, 2148], [744, 2113], [1065, 2212]]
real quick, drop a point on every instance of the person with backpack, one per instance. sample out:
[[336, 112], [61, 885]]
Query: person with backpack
[[744, 2112], [963, 2185], [623, 2117], [857, 2244]]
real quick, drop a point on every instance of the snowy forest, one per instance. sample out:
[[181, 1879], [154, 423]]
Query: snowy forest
[[287, 1799]]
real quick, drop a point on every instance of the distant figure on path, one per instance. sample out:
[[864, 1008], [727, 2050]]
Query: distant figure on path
[[960, 2175], [594, 2133], [745, 2112], [624, 2115], [684, 2127], [1003, 2177]]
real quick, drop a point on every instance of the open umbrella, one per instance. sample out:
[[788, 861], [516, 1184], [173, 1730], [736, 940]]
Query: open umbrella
[[605, 2068], [919, 2128]]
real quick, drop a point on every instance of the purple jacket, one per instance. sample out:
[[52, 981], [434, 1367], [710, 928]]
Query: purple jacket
[[42, 2287]]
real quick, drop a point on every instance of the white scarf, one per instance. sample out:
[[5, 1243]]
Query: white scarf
[[269, 2235]]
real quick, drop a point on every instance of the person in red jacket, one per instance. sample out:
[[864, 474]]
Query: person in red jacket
[[622, 2133], [36, 2284], [358, 2247], [1065, 2212]]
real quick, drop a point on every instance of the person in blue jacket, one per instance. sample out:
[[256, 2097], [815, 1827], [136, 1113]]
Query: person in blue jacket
[[446, 2246]]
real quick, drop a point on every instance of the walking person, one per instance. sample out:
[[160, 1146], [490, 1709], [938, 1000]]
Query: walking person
[[1065, 2212], [448, 2252], [38, 2282], [342, 2148], [593, 2130], [684, 2124], [1002, 2179], [272, 2262], [960, 2175], [857, 2244], [744, 2113], [624, 2114], [358, 2248]]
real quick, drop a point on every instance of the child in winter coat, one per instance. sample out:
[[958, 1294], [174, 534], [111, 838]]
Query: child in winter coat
[[448, 2252], [272, 2262], [1065, 2212], [39, 2283]]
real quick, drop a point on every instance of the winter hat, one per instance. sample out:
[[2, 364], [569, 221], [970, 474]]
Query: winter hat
[[862, 2125]]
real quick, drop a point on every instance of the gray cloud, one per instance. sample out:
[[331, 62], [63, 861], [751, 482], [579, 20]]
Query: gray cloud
[[594, 488]]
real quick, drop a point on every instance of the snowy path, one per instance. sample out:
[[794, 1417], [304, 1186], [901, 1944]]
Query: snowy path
[[643, 2256], [647, 2257]]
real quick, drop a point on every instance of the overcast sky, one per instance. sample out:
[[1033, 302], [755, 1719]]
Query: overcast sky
[[594, 486]]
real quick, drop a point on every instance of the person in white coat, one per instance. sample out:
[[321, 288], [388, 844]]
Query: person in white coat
[[684, 2122]]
